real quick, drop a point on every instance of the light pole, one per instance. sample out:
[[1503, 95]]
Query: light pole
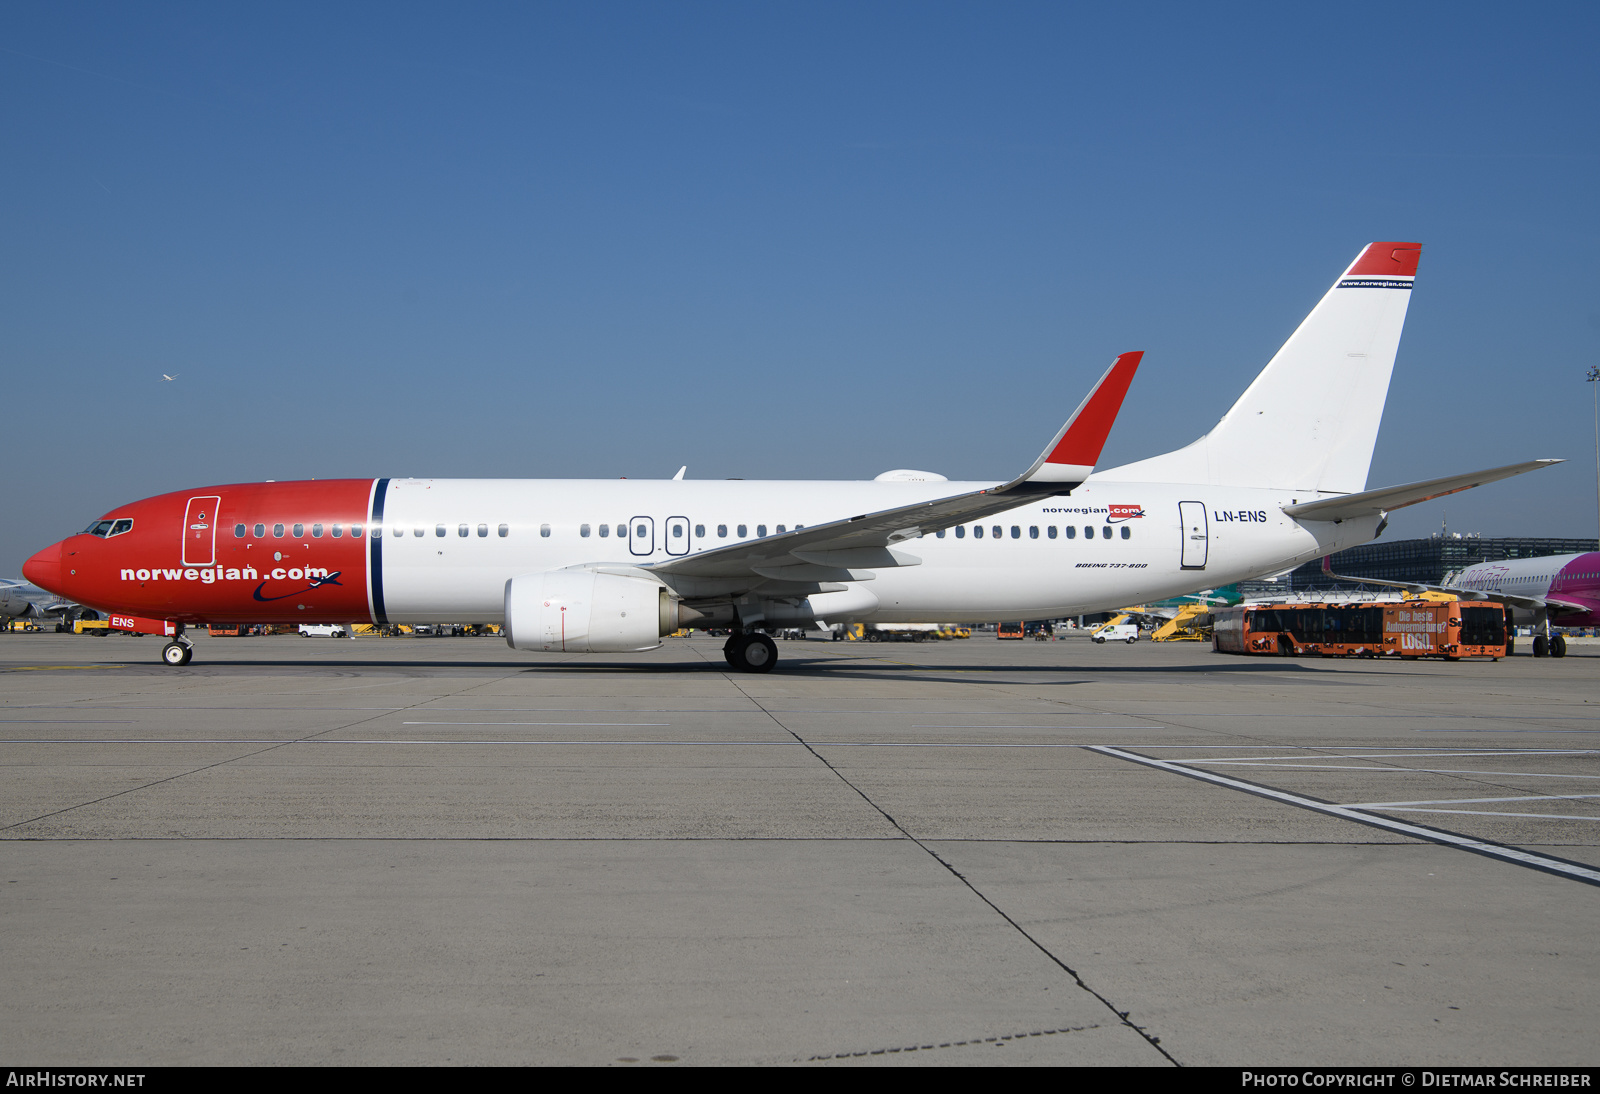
[[1594, 377]]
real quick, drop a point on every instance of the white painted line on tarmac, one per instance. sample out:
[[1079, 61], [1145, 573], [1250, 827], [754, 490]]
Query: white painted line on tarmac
[[1498, 813], [1312, 753], [1573, 870], [1395, 770], [1469, 801], [599, 724]]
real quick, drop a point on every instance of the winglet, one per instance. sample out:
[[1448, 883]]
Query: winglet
[[1070, 457]]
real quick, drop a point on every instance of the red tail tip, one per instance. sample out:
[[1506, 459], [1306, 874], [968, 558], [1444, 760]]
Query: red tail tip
[[1388, 259]]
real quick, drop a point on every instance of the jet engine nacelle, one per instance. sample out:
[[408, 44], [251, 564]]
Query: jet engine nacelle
[[585, 611]]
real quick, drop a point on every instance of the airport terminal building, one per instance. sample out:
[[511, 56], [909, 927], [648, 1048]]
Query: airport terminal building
[[1422, 560]]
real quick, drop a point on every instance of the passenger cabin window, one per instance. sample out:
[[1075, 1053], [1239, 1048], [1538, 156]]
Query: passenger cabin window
[[605, 531], [642, 532], [780, 529], [1105, 532], [277, 531], [939, 534], [238, 531], [355, 531], [995, 531], [462, 531], [977, 531], [583, 530], [699, 531], [1016, 531], [761, 530], [1127, 533], [483, 531], [338, 531], [419, 531], [1088, 531], [316, 531], [505, 530], [1033, 531], [544, 530], [299, 531], [1072, 531], [742, 532], [961, 531], [1051, 531], [438, 530], [722, 531]]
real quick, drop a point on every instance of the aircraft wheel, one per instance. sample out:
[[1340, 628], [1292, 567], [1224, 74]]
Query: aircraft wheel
[[176, 654], [753, 653], [1558, 646], [1540, 646]]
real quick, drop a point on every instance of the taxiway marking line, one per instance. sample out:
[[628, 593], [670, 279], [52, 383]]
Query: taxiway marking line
[[1469, 801], [1309, 753], [1498, 813], [1576, 871], [1396, 770]]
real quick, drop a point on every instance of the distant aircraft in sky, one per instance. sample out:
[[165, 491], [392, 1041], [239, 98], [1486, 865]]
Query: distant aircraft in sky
[[586, 566], [164, 376]]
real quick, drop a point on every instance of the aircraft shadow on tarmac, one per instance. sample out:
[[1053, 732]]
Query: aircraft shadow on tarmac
[[835, 666]]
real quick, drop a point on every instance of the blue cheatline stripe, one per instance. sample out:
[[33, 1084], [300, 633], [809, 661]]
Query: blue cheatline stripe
[[375, 549]]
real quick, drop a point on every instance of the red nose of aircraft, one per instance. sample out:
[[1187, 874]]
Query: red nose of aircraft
[[44, 569]]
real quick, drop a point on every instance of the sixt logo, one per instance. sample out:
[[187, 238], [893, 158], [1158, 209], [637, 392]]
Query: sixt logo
[[1121, 513]]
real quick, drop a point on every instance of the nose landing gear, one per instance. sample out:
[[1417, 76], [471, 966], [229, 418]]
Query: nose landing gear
[[178, 652]]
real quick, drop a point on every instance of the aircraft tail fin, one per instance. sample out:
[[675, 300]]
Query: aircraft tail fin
[[1310, 419]]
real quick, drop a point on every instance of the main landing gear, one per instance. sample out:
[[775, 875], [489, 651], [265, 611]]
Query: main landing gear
[[178, 652], [750, 651]]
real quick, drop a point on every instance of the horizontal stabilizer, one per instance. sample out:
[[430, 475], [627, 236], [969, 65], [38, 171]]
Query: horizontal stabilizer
[[1370, 502]]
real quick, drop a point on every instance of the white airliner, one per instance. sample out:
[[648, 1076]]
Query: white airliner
[[611, 566]]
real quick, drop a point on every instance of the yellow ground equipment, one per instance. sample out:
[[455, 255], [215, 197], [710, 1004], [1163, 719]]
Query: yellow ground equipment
[[1191, 624]]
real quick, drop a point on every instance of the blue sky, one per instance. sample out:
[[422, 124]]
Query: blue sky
[[769, 240]]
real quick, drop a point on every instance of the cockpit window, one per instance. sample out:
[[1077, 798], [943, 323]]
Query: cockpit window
[[121, 526], [106, 528]]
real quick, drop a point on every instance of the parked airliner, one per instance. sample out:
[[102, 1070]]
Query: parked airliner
[[1559, 589], [612, 566]]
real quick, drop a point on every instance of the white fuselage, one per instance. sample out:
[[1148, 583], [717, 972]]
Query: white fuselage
[[1165, 540]]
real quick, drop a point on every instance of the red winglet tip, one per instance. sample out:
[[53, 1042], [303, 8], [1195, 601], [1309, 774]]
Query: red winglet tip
[[1389, 259], [1082, 442]]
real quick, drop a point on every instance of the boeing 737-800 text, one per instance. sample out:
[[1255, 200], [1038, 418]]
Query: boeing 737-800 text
[[611, 566]]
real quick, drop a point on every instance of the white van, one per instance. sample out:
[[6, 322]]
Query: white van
[[1122, 632], [322, 630]]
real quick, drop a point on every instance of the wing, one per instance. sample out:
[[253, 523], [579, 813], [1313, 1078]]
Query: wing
[[1371, 502], [848, 549]]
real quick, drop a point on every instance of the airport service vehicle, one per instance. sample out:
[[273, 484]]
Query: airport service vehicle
[[1557, 589], [322, 630], [1117, 632], [1010, 630], [591, 566], [1408, 629]]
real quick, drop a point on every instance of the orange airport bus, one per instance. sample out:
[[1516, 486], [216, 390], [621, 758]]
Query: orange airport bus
[[1408, 629]]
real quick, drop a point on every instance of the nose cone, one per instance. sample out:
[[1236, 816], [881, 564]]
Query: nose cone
[[44, 569]]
